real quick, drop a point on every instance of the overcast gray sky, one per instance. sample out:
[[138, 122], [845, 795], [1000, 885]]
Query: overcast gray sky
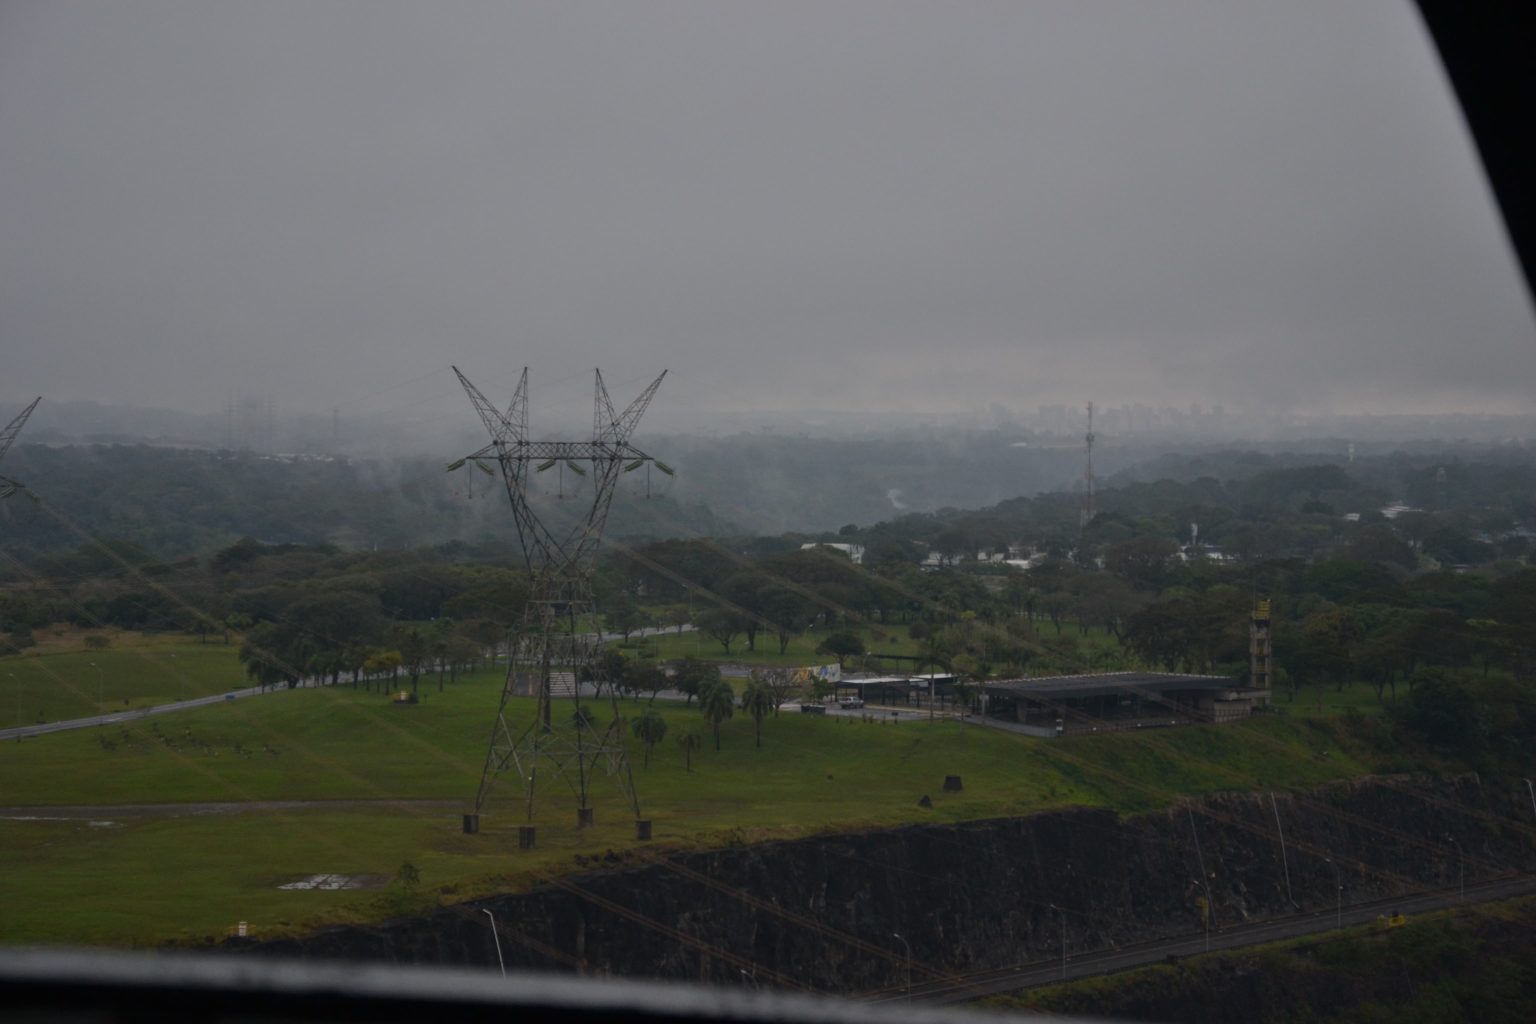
[[791, 205]]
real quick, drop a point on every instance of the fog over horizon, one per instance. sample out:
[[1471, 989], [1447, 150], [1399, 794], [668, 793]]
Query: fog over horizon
[[966, 210]]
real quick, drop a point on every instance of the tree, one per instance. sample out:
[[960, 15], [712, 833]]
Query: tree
[[787, 609], [717, 701], [612, 669], [650, 729], [623, 615], [779, 682], [842, 645], [414, 649], [380, 663], [722, 625], [647, 677], [261, 662], [1144, 562], [1445, 713], [690, 741], [691, 675], [745, 590], [677, 616], [757, 701]]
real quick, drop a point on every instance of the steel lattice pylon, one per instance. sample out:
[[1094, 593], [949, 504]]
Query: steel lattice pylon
[[555, 647], [8, 486]]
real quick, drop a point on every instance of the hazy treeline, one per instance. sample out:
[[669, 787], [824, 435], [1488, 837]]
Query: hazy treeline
[[1441, 599]]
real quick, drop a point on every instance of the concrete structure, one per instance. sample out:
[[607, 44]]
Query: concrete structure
[[1113, 701], [908, 690]]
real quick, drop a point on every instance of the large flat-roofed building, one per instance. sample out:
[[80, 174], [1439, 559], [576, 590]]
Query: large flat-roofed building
[[896, 689], [1111, 701]]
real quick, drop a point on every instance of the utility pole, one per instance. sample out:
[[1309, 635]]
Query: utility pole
[[555, 647]]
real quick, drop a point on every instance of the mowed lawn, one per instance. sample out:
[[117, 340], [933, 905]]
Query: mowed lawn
[[405, 773], [48, 684]]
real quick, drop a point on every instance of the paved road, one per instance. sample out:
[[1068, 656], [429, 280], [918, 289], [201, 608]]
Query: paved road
[[117, 717], [72, 812], [966, 988]]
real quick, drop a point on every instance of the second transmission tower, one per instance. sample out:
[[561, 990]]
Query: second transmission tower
[[1088, 510], [555, 648]]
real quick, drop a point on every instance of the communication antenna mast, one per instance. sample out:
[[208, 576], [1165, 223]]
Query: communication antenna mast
[[8, 486], [555, 646], [1088, 509]]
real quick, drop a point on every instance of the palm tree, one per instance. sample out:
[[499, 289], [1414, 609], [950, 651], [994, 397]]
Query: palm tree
[[650, 729], [690, 742], [757, 700], [718, 702]]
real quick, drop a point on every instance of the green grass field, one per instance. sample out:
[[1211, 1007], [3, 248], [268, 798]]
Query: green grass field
[[134, 878], [49, 684]]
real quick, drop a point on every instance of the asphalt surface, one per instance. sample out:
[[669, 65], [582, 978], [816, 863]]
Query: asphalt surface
[[117, 717], [966, 988], [114, 717]]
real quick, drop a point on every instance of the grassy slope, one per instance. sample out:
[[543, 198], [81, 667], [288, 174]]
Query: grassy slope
[[78, 882], [58, 680]]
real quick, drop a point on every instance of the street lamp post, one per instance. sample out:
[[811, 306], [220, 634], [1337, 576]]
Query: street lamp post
[[1062, 917], [497, 938], [1461, 866], [1207, 913], [908, 946], [1338, 884]]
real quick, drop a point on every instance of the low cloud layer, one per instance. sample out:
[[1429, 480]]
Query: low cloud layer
[[790, 205]]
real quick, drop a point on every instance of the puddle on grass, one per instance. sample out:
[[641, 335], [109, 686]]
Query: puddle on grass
[[333, 883]]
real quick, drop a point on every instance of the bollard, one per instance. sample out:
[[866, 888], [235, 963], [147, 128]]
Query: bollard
[[471, 824], [642, 828], [525, 837]]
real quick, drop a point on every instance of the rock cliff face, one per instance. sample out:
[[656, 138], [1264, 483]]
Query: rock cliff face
[[823, 913]]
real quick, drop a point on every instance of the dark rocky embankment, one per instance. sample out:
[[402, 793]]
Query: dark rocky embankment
[[822, 913], [1476, 964]]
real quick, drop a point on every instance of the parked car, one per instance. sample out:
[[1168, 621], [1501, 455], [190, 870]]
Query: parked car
[[851, 702]]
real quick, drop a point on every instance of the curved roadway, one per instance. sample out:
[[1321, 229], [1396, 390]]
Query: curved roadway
[[969, 987]]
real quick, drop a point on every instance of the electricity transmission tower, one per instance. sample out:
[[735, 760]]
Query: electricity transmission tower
[[555, 647], [8, 486], [1088, 507]]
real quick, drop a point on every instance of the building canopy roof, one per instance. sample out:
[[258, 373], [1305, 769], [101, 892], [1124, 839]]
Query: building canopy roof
[[1103, 684]]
